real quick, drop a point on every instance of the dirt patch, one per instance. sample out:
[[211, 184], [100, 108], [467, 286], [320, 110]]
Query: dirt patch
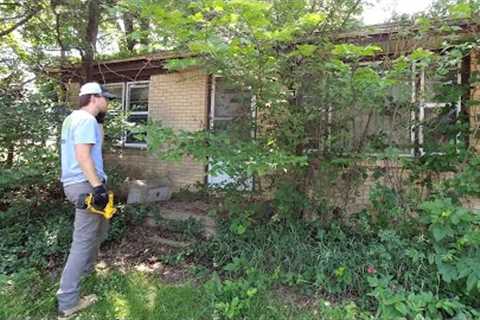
[[198, 207], [294, 297], [137, 251]]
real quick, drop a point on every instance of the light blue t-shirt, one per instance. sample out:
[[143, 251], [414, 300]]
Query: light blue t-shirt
[[80, 127]]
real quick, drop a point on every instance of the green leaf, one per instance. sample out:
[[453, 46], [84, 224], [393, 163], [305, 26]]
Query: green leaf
[[439, 232], [461, 10], [402, 308], [312, 19], [421, 54], [251, 292], [181, 64], [307, 50], [472, 281]]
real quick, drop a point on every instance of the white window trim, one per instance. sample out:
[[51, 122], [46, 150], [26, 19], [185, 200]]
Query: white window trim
[[122, 84], [212, 117], [122, 106], [211, 120], [128, 86], [412, 127], [432, 105]]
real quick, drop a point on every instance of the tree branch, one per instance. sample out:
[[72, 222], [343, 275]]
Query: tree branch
[[19, 23]]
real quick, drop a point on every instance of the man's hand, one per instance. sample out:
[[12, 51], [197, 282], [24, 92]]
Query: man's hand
[[100, 197]]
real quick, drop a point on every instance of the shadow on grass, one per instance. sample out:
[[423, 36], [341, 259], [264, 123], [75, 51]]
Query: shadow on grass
[[141, 296]]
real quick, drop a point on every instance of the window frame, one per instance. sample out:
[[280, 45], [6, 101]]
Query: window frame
[[417, 137], [128, 86], [224, 178], [423, 104], [329, 117], [212, 117], [122, 106]]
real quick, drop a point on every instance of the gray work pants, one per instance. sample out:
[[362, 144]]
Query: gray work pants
[[90, 229]]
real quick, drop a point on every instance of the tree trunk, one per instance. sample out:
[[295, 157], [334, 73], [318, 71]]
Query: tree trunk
[[144, 26], [128, 23], [91, 38]]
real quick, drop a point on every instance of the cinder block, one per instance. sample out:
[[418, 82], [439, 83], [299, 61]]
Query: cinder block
[[144, 191]]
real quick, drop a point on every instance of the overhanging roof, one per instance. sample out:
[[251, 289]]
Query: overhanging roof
[[393, 38]]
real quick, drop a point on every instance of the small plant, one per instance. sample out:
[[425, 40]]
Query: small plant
[[396, 303], [455, 234], [232, 298]]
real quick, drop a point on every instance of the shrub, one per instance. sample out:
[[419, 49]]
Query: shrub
[[455, 235]]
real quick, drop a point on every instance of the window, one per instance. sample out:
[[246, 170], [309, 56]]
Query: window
[[417, 116], [439, 100], [317, 125], [133, 100], [379, 119], [136, 105], [232, 109], [115, 111]]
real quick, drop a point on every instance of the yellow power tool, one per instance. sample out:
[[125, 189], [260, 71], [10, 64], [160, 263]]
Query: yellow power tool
[[85, 201]]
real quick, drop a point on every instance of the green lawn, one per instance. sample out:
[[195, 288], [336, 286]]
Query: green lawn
[[142, 296]]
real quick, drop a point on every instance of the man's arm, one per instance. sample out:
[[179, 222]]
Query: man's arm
[[84, 158]]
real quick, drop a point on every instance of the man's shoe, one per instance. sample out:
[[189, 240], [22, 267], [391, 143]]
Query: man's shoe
[[84, 303]]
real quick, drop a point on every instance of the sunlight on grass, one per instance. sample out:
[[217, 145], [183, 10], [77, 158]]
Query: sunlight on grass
[[141, 296]]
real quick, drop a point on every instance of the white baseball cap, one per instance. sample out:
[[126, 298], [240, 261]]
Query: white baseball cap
[[95, 88]]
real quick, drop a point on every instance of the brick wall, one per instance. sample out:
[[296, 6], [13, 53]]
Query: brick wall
[[179, 100], [352, 197], [139, 164]]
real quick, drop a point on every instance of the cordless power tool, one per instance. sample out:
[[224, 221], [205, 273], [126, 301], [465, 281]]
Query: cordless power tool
[[85, 201]]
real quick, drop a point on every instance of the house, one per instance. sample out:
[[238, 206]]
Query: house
[[188, 100], [192, 100]]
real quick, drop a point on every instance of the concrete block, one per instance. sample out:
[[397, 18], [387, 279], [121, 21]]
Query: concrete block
[[144, 191]]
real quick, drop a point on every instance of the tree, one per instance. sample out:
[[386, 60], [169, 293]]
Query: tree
[[316, 99], [15, 14]]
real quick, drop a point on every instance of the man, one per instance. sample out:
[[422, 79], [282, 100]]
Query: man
[[83, 173]]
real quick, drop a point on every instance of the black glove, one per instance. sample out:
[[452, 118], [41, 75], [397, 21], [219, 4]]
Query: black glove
[[100, 197]]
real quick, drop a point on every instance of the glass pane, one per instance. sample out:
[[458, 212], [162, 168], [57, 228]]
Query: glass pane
[[441, 85], [115, 89], [230, 101], [222, 125], [395, 118], [379, 127], [438, 128], [132, 136], [115, 105], [233, 128], [138, 99]]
